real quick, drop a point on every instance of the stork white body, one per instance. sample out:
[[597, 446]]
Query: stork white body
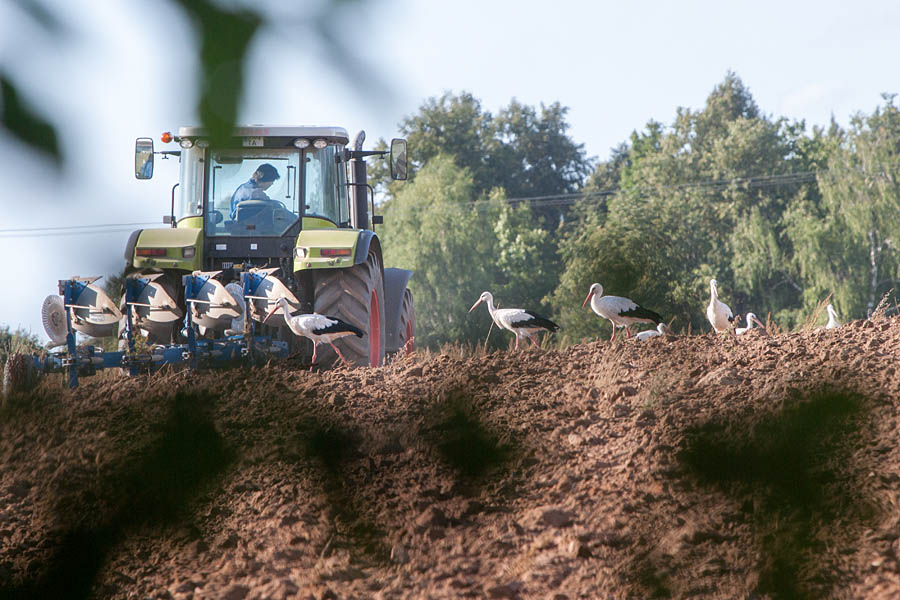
[[621, 312], [720, 316], [833, 323], [523, 323], [316, 327], [650, 333], [751, 321]]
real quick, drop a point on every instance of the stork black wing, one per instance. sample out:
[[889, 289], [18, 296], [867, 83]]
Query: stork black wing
[[639, 312], [339, 326], [535, 320]]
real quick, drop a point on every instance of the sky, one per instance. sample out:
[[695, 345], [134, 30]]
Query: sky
[[126, 69]]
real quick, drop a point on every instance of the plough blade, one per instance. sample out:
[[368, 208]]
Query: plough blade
[[268, 290], [154, 310], [91, 310], [212, 306]]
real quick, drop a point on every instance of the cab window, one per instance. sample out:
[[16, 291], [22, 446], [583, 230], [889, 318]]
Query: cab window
[[326, 189], [252, 192]]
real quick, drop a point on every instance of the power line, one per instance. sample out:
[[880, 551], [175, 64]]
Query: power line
[[72, 227], [565, 199], [36, 232], [62, 231]]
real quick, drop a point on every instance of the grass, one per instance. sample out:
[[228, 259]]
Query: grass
[[883, 307], [812, 319]]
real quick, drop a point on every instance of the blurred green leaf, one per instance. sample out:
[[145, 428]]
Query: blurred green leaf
[[27, 126], [223, 37], [41, 15]]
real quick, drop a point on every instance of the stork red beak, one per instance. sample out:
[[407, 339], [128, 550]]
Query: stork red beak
[[591, 293], [474, 305], [270, 313]]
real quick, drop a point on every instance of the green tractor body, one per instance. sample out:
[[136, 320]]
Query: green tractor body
[[289, 205]]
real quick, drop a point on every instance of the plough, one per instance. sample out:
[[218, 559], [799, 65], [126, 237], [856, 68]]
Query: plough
[[83, 306]]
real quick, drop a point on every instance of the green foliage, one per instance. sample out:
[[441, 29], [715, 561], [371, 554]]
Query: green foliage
[[847, 242], [781, 217], [703, 198], [224, 37], [460, 244], [224, 34], [524, 150], [15, 342], [433, 229], [25, 125]]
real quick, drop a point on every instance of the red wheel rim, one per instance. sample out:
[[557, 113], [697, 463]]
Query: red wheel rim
[[374, 331]]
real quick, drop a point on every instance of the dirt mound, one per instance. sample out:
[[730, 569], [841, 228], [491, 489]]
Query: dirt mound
[[759, 467]]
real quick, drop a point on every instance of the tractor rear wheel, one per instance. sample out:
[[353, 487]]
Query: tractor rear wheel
[[407, 324], [354, 295]]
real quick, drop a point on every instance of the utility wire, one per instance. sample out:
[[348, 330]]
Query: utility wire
[[551, 200], [26, 232], [72, 227], [60, 234]]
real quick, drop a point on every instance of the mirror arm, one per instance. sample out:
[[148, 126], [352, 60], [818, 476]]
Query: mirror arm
[[365, 153]]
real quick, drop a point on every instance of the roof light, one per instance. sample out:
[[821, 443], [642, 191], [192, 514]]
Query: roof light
[[320, 144], [186, 143], [301, 143], [166, 137]]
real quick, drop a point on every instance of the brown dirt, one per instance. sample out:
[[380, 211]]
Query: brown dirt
[[765, 467]]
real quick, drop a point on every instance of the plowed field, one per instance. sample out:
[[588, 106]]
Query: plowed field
[[757, 467]]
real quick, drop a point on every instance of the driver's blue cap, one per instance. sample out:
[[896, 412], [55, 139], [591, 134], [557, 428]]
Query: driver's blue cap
[[268, 172]]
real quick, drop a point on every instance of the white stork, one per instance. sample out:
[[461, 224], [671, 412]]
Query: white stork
[[832, 318], [523, 323], [718, 313], [751, 321], [318, 328], [646, 335], [620, 311]]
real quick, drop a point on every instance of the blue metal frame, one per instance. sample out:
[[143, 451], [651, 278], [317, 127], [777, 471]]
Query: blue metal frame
[[87, 360]]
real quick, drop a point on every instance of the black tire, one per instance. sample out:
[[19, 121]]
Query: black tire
[[407, 324], [354, 295], [19, 374]]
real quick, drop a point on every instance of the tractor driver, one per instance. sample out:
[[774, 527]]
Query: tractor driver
[[255, 188]]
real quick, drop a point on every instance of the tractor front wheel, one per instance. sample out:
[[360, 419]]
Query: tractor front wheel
[[354, 295]]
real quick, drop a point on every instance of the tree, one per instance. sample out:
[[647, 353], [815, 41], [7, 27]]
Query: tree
[[848, 239], [525, 151], [433, 228], [702, 198], [459, 244]]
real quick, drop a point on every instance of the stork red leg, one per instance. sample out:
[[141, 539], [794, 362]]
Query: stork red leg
[[346, 362], [533, 342], [315, 347]]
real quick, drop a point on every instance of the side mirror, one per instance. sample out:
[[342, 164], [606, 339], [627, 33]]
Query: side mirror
[[143, 158], [399, 161]]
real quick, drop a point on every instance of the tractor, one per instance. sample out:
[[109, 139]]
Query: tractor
[[276, 212]]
